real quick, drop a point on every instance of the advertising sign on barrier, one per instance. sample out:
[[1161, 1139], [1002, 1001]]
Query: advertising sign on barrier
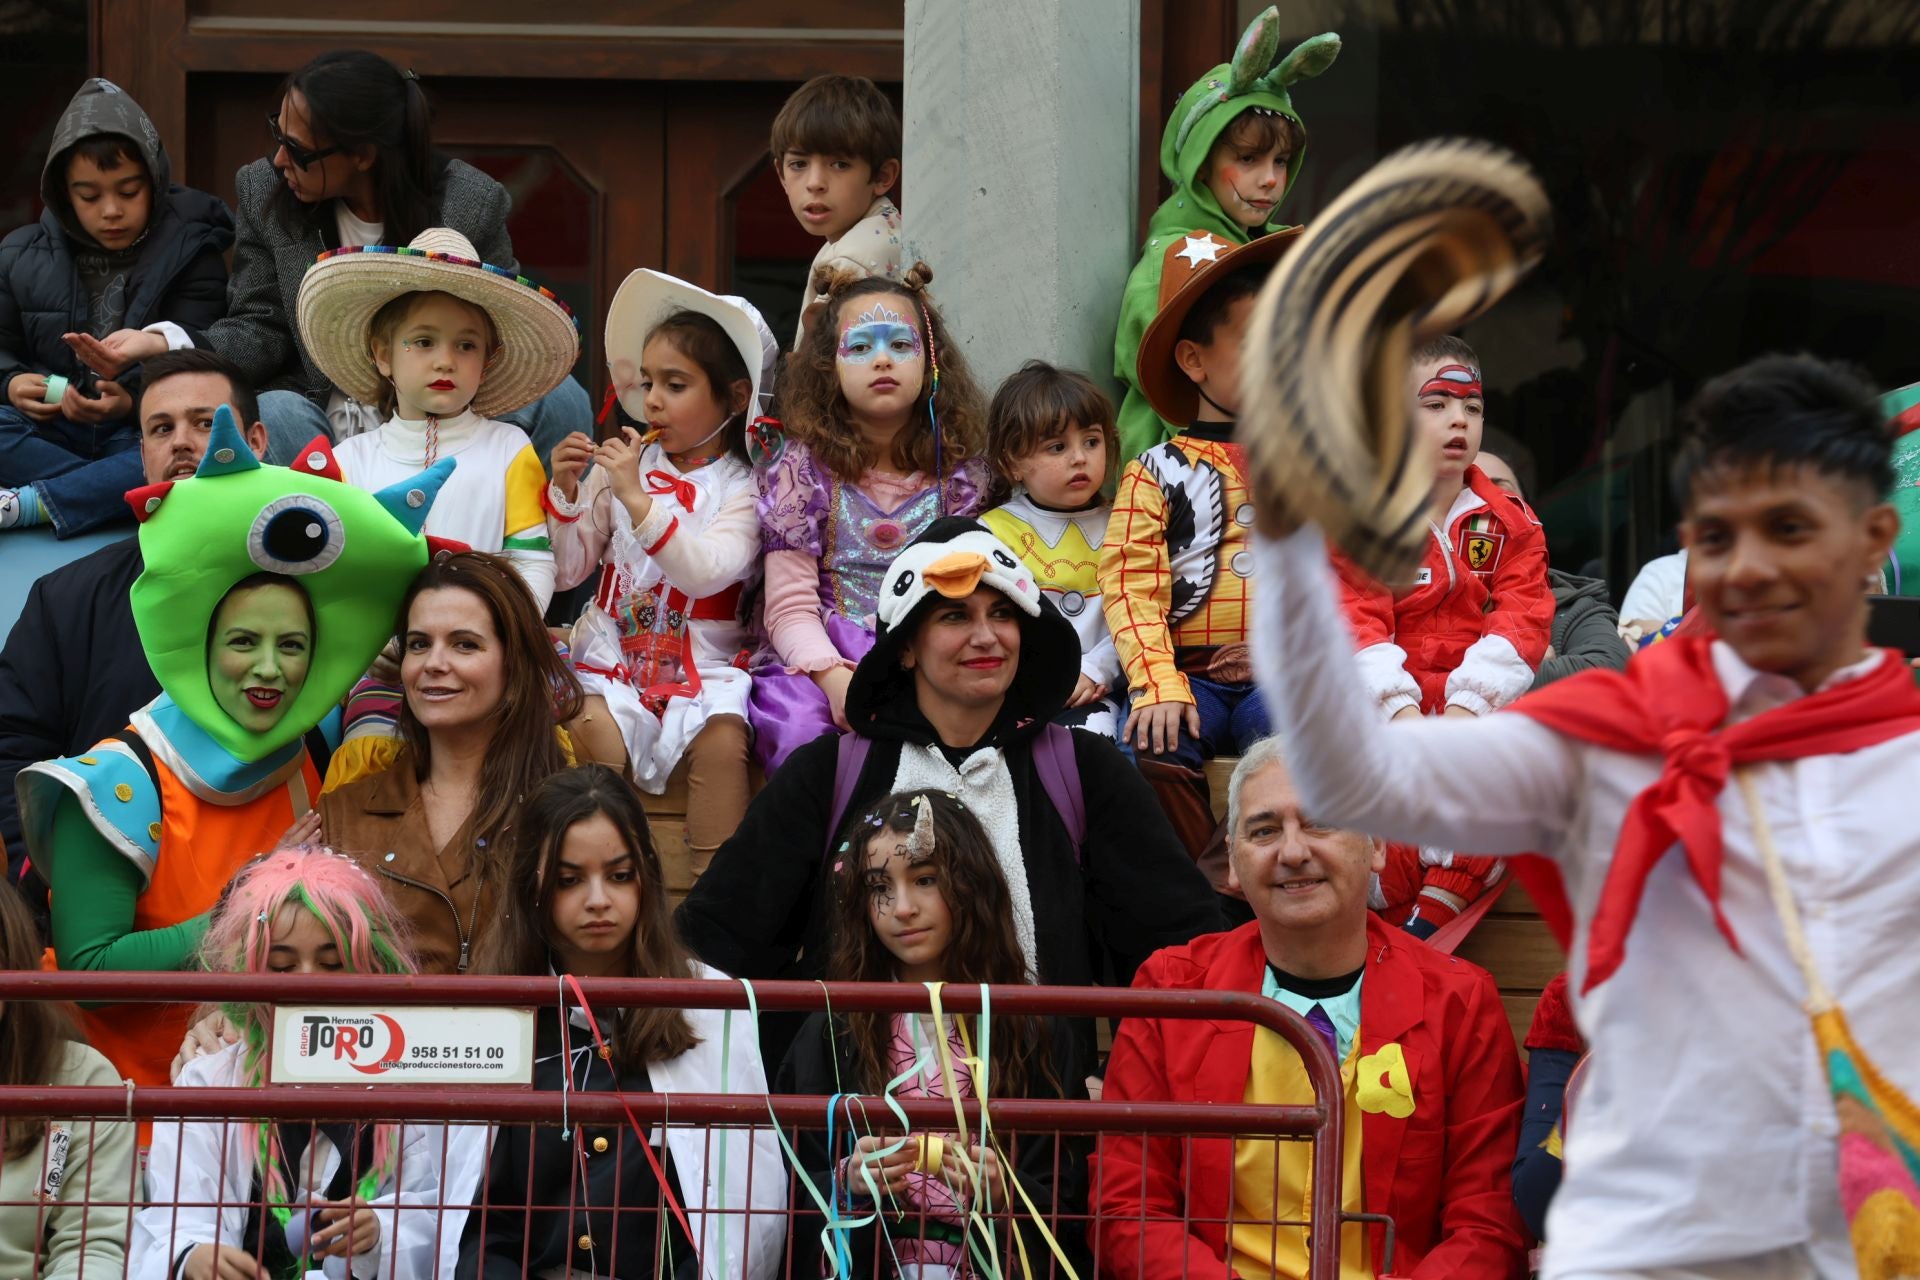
[[441, 1045]]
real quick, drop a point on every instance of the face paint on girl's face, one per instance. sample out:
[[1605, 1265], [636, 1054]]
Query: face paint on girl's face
[[258, 654], [881, 363], [876, 330]]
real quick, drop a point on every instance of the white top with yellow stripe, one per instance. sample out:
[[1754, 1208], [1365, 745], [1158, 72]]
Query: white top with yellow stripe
[[492, 500]]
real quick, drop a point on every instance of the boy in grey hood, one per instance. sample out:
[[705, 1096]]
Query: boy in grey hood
[[117, 246]]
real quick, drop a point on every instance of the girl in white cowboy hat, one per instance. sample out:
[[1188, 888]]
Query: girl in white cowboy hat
[[442, 342], [669, 521]]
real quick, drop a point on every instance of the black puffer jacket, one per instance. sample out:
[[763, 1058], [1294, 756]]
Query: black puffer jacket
[[174, 272]]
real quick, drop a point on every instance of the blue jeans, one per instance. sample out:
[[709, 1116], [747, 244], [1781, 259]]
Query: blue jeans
[[81, 472], [1232, 719], [292, 421]]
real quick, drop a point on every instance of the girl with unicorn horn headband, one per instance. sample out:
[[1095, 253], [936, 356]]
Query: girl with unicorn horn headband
[[669, 522], [918, 896]]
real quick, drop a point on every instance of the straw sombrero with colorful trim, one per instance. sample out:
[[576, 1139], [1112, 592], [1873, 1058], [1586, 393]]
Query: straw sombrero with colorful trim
[[539, 339]]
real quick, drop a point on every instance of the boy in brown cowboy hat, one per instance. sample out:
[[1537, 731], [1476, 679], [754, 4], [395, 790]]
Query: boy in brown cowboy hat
[[1174, 571]]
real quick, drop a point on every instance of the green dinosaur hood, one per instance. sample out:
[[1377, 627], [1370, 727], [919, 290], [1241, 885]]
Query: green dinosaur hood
[[1255, 79], [1902, 408]]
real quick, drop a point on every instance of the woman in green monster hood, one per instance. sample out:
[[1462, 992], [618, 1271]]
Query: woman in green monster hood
[[266, 592], [1232, 151]]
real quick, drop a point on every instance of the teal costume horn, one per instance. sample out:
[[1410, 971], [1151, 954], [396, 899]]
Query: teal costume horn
[[353, 553]]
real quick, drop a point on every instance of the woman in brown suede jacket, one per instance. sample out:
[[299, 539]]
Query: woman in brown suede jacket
[[484, 689]]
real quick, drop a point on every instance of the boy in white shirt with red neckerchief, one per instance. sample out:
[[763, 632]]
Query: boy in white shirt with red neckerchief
[[1707, 1142]]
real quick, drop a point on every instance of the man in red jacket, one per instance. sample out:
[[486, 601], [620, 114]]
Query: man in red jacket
[[1432, 1079]]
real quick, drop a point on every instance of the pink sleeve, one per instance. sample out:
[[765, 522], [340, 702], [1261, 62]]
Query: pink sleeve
[[580, 544], [793, 613]]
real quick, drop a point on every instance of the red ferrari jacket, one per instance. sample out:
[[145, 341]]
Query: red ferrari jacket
[[1474, 626], [1443, 1173]]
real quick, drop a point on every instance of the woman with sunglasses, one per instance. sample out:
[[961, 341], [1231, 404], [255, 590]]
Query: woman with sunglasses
[[352, 163]]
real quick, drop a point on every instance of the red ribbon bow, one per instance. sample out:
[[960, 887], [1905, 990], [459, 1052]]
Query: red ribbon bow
[[660, 483]]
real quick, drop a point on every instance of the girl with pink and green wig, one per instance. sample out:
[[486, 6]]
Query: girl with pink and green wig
[[292, 1197]]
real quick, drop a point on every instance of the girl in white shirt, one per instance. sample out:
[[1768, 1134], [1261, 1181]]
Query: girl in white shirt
[[668, 520], [443, 342], [292, 1198]]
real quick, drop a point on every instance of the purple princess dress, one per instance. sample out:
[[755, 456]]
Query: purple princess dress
[[850, 534]]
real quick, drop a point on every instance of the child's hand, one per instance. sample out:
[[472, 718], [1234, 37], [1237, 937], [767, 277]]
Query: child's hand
[[221, 1262], [958, 1168], [109, 355], [1409, 712], [112, 402], [1086, 690], [304, 833], [570, 459], [1458, 713], [209, 1035], [889, 1172], [27, 393], [833, 682], [1155, 727], [349, 1229], [621, 457]]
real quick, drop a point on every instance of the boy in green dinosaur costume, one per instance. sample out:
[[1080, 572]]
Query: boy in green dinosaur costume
[[1232, 150]]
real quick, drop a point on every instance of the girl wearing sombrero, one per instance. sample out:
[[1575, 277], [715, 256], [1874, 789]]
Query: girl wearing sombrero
[[442, 342]]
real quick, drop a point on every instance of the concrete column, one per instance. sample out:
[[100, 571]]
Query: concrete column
[[1021, 169]]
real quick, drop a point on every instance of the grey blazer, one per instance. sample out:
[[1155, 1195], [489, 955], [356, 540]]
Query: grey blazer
[[258, 332]]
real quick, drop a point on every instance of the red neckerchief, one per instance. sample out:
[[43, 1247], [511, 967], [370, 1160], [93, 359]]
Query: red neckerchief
[[1670, 702]]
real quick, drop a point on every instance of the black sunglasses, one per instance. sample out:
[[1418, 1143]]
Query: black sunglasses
[[300, 156]]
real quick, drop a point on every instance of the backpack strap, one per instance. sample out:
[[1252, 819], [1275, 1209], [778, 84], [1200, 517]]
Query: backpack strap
[[319, 750], [1059, 770], [141, 751], [850, 756]]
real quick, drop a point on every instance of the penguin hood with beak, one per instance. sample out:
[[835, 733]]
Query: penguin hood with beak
[[955, 557]]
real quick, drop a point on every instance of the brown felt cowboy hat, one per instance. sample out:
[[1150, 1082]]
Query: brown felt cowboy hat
[[1192, 264], [1425, 241]]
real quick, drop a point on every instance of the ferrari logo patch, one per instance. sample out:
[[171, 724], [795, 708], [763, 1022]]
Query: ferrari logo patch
[[1481, 550]]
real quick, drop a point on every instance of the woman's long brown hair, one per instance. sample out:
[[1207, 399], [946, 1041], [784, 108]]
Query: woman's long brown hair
[[521, 942], [33, 1033], [984, 949], [814, 411], [541, 692]]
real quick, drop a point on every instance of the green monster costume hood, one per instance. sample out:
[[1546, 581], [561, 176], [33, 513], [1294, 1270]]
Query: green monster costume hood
[[1902, 408], [354, 553], [1254, 80]]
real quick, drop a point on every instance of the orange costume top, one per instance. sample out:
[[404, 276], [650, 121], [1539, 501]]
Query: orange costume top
[[1175, 568], [163, 802]]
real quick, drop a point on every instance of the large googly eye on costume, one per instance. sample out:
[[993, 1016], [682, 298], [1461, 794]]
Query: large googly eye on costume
[[903, 583], [296, 534]]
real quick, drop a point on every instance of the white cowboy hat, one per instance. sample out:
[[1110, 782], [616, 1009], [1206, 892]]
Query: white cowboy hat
[[539, 339], [646, 297]]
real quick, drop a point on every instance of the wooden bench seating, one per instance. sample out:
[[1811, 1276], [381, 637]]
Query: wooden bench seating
[[1511, 942]]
